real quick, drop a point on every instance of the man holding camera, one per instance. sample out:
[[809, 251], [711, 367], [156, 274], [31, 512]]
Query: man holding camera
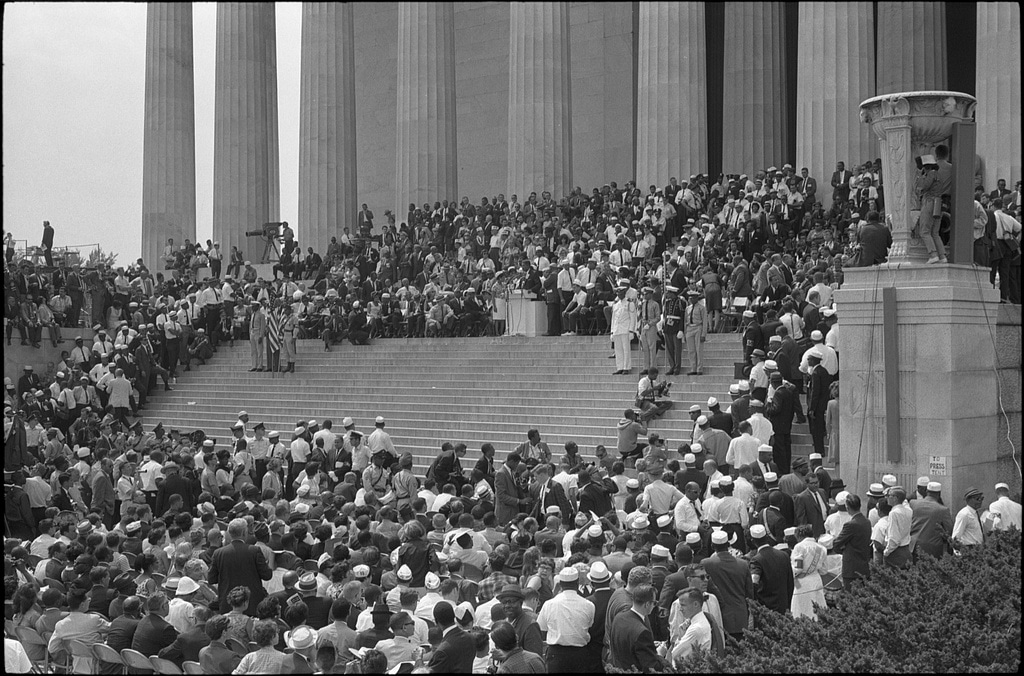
[[648, 393]]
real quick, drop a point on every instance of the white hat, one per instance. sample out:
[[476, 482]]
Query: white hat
[[347, 421], [816, 336], [771, 365], [712, 401], [659, 550], [238, 425], [302, 508], [133, 526], [241, 413], [814, 456], [1002, 485], [299, 430], [324, 558], [716, 483], [83, 452], [640, 523], [432, 581], [765, 448], [734, 389], [404, 573], [689, 459], [725, 481], [664, 520], [790, 532], [692, 538], [749, 314], [632, 483], [595, 530], [301, 637], [554, 510], [770, 477], [828, 312], [599, 572], [361, 571], [841, 497], [719, 537], [744, 385], [756, 403], [695, 408], [922, 481], [379, 419], [187, 586], [568, 574], [889, 480], [757, 531], [934, 487], [702, 420], [696, 448], [209, 442], [826, 540]]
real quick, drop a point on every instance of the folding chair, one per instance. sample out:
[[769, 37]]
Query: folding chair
[[237, 647], [135, 662], [84, 651], [163, 666], [105, 654], [35, 645], [191, 667]]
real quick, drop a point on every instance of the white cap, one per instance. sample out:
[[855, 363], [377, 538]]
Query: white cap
[[187, 586], [734, 389], [744, 385], [595, 530], [696, 448], [632, 483], [1002, 485], [771, 365], [725, 481], [765, 448], [889, 480], [757, 531], [814, 456], [816, 336], [568, 574], [695, 408], [432, 581], [712, 401], [379, 419], [719, 537], [702, 420], [841, 497], [241, 413], [689, 459], [405, 573], [361, 571], [923, 481], [659, 550], [324, 558], [640, 523], [790, 532], [553, 510], [770, 477], [692, 538], [347, 421], [664, 520], [302, 508], [934, 487]]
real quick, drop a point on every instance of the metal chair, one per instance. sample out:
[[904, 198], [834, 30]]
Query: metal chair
[[135, 662], [193, 668], [237, 647], [84, 651], [163, 666], [34, 644], [104, 653], [55, 584]]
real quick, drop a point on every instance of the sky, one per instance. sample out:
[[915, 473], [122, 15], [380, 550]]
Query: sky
[[73, 95]]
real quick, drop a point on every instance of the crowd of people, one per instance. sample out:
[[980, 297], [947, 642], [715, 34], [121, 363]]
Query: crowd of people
[[325, 552]]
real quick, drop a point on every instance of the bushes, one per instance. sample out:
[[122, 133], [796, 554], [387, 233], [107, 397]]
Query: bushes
[[959, 614]]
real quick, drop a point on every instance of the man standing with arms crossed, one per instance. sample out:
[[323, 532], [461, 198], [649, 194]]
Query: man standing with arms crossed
[[695, 332]]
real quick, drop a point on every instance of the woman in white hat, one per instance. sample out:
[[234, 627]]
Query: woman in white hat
[[810, 561]]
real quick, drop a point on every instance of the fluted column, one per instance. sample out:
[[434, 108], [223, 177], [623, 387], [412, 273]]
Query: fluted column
[[169, 139], [911, 46], [755, 129], [241, 155], [327, 124], [539, 99], [671, 92], [426, 169], [273, 145], [835, 72], [998, 92]]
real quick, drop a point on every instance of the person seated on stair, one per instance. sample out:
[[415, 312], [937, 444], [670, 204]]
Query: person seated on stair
[[648, 392], [629, 428]]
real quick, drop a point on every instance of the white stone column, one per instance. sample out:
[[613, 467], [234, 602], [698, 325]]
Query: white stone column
[[835, 72], [169, 138], [671, 133], [327, 125], [997, 88], [426, 167], [273, 132], [539, 100], [241, 176], [911, 46], [755, 128]]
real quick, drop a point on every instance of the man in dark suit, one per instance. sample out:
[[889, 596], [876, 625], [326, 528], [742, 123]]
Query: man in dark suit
[[508, 496], [771, 516], [237, 564], [631, 642], [854, 543], [154, 633], [810, 508], [786, 506], [817, 401], [807, 185], [840, 183], [875, 240], [931, 525], [731, 577], [676, 581], [122, 630], [771, 572], [600, 580], [753, 338], [187, 646], [102, 593], [764, 463], [691, 474], [455, 653], [547, 493], [174, 484], [780, 411]]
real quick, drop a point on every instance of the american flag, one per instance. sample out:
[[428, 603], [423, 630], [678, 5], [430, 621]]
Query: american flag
[[274, 331]]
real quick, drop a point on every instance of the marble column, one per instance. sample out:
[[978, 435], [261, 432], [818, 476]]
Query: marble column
[[273, 145], [539, 100], [835, 72], [755, 127], [426, 168], [241, 152], [169, 138], [671, 92], [327, 125], [997, 88], [911, 46]]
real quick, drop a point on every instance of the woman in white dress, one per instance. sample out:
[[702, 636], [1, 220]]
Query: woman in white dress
[[809, 560]]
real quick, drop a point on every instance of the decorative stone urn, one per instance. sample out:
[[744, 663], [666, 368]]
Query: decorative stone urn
[[908, 125]]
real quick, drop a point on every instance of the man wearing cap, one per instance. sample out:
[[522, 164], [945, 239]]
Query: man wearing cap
[[714, 442], [623, 322], [967, 529], [566, 620], [817, 401], [523, 620], [695, 332], [1003, 513], [931, 524], [731, 577], [770, 572], [854, 543], [828, 356]]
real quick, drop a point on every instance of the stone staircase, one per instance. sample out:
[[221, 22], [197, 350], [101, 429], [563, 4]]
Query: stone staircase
[[473, 390]]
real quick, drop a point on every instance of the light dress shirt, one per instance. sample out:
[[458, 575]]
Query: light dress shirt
[[899, 528], [967, 527], [567, 619]]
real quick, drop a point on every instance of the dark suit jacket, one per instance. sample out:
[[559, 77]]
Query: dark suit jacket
[[930, 521], [734, 586], [691, 474], [773, 520], [775, 587], [600, 600], [672, 585], [817, 394], [632, 643], [787, 508], [100, 598], [781, 409], [807, 511], [238, 564], [153, 634], [455, 654], [122, 631], [187, 646], [596, 497], [854, 542], [721, 421], [756, 468], [875, 240], [507, 495], [175, 484], [555, 497]]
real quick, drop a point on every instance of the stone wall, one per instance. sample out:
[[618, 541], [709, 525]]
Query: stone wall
[[1008, 364]]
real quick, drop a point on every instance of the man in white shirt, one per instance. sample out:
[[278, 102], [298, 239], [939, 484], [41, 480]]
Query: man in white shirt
[[1003, 513], [623, 326], [897, 540], [402, 647], [744, 448], [182, 614], [967, 529], [829, 358], [760, 427], [687, 511], [834, 522], [379, 440], [566, 619], [697, 633]]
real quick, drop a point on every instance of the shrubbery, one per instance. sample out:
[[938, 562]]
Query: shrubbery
[[960, 614]]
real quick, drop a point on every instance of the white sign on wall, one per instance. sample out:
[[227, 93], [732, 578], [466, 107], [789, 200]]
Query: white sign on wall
[[937, 465]]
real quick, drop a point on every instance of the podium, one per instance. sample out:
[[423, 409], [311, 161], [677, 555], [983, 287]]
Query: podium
[[524, 315]]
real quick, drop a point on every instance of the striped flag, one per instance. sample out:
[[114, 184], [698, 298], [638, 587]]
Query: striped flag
[[273, 331]]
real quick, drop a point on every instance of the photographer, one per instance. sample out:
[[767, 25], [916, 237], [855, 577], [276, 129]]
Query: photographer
[[649, 391]]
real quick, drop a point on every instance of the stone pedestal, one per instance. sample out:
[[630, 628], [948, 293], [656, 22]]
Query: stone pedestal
[[997, 86], [539, 100], [169, 138], [943, 390], [908, 125], [671, 93], [911, 46], [835, 72], [425, 138], [755, 127], [327, 125], [241, 155]]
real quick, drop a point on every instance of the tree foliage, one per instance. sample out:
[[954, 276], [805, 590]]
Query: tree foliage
[[98, 255]]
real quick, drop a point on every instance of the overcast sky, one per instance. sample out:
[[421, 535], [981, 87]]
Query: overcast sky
[[73, 90]]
